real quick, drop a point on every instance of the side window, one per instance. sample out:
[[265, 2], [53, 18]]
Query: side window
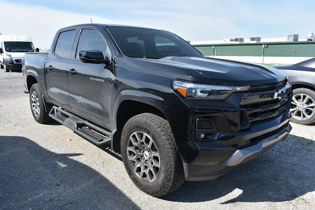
[[64, 42], [91, 40]]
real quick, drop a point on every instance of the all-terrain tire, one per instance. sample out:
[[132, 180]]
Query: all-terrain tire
[[39, 112], [149, 155]]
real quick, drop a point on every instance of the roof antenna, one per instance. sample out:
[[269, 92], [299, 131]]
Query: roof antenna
[[91, 20]]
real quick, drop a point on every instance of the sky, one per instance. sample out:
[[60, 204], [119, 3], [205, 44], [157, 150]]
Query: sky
[[193, 20]]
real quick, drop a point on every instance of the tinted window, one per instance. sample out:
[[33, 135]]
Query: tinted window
[[150, 43], [91, 40], [64, 43]]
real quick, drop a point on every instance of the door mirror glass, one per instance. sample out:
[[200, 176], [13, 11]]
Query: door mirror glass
[[1, 50]]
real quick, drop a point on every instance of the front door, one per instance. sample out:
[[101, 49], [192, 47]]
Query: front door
[[90, 84]]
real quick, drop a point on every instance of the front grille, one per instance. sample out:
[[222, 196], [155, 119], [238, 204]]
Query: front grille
[[18, 60], [265, 105], [268, 87], [266, 110]]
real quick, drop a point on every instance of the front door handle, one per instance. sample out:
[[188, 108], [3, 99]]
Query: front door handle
[[50, 67], [73, 71]]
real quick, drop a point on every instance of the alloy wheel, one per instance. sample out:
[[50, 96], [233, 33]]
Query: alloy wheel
[[35, 104], [144, 155], [302, 106]]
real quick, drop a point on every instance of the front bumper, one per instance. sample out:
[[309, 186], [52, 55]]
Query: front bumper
[[246, 154], [13, 64], [214, 160], [14, 67], [225, 134]]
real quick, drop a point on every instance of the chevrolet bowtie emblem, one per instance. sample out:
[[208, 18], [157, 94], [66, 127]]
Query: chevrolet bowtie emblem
[[280, 94]]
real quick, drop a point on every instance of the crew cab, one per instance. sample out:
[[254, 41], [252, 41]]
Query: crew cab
[[171, 113]]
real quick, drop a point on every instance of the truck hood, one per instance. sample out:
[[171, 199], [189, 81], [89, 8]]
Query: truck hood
[[217, 71], [17, 55]]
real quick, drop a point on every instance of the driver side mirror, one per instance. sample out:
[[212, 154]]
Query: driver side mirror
[[94, 56], [1, 50]]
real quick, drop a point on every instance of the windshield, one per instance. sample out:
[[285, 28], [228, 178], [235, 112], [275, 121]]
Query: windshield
[[150, 43], [19, 46]]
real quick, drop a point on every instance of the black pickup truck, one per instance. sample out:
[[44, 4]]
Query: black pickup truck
[[171, 113]]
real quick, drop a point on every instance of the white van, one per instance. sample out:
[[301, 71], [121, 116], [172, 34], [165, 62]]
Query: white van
[[12, 50]]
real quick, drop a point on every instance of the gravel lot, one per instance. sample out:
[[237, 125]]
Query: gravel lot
[[50, 167]]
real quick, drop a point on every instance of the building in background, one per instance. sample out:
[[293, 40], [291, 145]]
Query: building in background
[[285, 50]]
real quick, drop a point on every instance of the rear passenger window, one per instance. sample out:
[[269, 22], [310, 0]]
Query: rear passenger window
[[91, 40], [64, 44]]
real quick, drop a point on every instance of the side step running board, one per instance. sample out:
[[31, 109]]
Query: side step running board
[[87, 130]]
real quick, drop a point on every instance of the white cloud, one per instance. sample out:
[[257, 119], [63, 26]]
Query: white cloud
[[193, 20], [40, 23]]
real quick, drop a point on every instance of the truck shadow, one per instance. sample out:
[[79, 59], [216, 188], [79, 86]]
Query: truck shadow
[[33, 177], [282, 174]]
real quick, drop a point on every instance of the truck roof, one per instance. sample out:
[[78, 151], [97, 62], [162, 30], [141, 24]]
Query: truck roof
[[105, 25], [21, 38]]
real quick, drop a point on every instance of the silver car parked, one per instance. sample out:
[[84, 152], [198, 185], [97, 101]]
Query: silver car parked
[[302, 78]]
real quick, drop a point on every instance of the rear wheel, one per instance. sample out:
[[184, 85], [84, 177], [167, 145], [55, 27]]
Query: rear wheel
[[303, 106], [37, 105], [149, 155]]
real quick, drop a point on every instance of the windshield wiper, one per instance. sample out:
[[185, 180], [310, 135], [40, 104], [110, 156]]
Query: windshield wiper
[[150, 57]]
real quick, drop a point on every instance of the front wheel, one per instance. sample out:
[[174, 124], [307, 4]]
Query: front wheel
[[37, 105], [149, 155], [6, 68], [303, 106]]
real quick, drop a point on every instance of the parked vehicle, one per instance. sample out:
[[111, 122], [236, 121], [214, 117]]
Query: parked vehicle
[[302, 78], [173, 114], [12, 50]]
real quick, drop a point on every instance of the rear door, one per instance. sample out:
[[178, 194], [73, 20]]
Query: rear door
[[90, 85], [56, 69]]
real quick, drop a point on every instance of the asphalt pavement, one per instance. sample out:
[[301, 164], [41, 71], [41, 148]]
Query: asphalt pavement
[[50, 167]]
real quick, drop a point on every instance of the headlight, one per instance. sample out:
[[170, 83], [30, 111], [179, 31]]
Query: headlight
[[202, 91], [7, 56]]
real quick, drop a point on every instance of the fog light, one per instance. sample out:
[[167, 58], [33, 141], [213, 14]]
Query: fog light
[[204, 128]]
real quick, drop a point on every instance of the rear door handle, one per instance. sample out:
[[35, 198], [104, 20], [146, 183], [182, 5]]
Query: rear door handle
[[73, 71]]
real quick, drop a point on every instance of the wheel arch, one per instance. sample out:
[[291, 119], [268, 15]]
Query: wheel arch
[[30, 80], [133, 105], [295, 86]]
